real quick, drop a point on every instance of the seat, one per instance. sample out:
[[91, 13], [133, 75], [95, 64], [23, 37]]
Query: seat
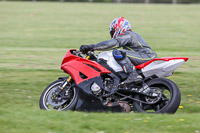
[[157, 59]]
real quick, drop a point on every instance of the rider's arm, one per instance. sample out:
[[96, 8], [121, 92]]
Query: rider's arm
[[120, 41], [104, 45]]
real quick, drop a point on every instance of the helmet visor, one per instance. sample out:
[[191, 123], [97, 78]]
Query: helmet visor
[[112, 33]]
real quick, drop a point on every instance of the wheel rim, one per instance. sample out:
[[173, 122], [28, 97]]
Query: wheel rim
[[161, 103], [48, 102]]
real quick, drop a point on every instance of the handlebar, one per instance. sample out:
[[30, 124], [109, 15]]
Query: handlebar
[[89, 54]]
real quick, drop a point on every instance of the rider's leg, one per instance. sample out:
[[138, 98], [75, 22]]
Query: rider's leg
[[128, 67], [138, 58]]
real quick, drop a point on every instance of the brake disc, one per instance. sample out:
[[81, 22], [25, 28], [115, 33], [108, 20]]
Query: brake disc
[[54, 99]]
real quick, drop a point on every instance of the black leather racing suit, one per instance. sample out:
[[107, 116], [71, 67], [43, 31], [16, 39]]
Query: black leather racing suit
[[133, 45], [134, 51]]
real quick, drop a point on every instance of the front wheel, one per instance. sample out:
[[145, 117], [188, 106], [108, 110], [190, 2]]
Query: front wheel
[[168, 100], [50, 100]]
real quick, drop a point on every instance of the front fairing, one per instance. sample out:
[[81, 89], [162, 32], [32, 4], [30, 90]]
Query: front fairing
[[81, 69], [87, 101]]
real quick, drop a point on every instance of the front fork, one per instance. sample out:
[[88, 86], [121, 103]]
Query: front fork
[[66, 81]]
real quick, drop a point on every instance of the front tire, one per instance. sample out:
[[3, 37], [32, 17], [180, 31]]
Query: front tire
[[65, 104], [168, 102]]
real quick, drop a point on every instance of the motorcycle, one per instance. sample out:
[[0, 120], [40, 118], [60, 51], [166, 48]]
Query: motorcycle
[[94, 85]]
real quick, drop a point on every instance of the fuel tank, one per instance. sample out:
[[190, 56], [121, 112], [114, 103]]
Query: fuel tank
[[108, 56]]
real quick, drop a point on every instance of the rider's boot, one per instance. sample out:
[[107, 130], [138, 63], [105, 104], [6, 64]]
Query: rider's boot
[[133, 77], [130, 69]]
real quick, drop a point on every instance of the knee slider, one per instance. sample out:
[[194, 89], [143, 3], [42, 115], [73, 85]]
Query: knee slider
[[118, 54]]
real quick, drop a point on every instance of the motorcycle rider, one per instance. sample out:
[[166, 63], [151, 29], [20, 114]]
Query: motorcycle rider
[[129, 48]]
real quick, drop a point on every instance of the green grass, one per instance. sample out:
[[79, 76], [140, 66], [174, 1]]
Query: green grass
[[34, 37]]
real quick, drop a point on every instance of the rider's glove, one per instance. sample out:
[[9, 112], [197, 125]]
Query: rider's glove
[[85, 48]]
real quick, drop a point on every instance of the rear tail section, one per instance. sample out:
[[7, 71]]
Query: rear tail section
[[161, 67]]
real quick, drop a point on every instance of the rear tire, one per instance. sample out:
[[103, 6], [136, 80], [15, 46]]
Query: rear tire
[[164, 105], [68, 105]]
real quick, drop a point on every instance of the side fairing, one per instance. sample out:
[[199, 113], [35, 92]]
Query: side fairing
[[88, 102]]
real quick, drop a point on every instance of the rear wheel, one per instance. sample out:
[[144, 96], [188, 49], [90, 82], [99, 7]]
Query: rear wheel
[[51, 100], [167, 101]]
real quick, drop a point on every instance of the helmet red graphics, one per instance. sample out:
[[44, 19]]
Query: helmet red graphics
[[118, 26]]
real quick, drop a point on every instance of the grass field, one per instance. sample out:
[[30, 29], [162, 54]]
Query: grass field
[[35, 36]]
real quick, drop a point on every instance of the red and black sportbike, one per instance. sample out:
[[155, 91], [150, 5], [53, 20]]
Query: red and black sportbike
[[93, 84]]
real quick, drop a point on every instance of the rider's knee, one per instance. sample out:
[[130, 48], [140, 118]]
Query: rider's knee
[[118, 55]]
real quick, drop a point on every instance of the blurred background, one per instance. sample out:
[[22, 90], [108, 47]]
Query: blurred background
[[35, 36], [122, 1]]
